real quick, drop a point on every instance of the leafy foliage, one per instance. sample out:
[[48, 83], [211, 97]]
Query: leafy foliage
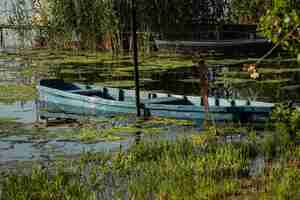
[[171, 15], [249, 12], [287, 120], [281, 24]]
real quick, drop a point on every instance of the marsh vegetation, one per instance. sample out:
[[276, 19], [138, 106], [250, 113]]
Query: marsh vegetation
[[154, 159], [204, 165], [124, 157]]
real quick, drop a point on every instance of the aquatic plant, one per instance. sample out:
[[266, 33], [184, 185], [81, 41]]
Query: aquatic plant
[[12, 127], [203, 166], [287, 120], [13, 93], [134, 130], [181, 169], [88, 135], [209, 136], [160, 121], [42, 184], [4, 120], [283, 183]]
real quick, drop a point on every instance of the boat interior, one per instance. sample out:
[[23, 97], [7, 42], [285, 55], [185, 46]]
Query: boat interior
[[117, 94], [114, 93]]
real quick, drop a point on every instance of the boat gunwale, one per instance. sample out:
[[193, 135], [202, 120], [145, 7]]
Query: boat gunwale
[[166, 107]]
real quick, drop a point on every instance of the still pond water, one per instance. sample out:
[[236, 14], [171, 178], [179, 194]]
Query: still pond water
[[20, 143]]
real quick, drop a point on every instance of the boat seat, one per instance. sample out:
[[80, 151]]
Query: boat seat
[[93, 93], [84, 91], [162, 100]]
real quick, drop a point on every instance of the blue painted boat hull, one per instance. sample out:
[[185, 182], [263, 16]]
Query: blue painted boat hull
[[56, 96]]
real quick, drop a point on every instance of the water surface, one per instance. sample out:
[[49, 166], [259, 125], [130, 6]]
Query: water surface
[[24, 112]]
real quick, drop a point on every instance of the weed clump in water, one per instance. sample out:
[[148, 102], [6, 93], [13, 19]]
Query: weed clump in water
[[14, 93]]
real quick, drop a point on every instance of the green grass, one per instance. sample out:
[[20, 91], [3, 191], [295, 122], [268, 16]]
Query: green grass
[[202, 166], [180, 169]]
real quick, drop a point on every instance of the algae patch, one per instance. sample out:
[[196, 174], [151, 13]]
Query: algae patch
[[7, 125], [132, 129], [86, 135], [90, 135], [159, 121], [13, 93], [116, 129]]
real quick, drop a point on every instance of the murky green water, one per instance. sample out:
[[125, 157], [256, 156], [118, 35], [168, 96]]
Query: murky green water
[[24, 112], [23, 141], [23, 148]]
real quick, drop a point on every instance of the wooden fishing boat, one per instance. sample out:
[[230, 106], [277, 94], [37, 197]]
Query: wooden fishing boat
[[57, 96]]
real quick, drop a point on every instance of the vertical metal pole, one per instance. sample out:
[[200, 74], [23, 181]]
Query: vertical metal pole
[[135, 58]]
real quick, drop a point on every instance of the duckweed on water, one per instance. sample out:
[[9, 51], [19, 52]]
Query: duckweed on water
[[134, 130], [201, 167], [13, 93], [116, 128], [87, 135], [159, 121], [90, 135], [5, 120], [8, 125]]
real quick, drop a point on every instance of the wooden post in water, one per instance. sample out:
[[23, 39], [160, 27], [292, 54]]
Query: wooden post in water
[[1, 38], [135, 58]]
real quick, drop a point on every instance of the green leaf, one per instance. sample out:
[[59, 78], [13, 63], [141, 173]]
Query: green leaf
[[298, 58], [286, 43], [287, 19]]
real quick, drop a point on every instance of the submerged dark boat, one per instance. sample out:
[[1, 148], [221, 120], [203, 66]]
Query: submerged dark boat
[[257, 46], [210, 43], [58, 96]]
